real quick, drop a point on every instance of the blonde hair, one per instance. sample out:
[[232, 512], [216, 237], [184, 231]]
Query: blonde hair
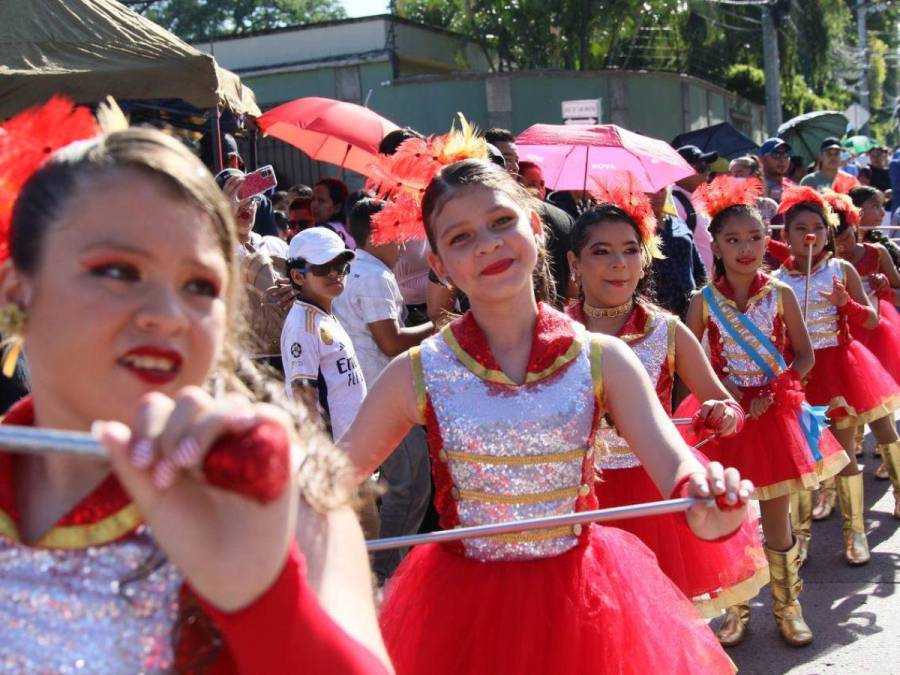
[[159, 157]]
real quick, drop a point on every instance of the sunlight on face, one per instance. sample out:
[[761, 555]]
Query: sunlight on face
[[485, 243], [129, 298], [741, 244], [803, 223], [610, 264]]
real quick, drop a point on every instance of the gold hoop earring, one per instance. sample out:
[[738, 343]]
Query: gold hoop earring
[[12, 328]]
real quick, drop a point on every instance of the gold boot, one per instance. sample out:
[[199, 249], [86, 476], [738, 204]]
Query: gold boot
[[824, 500], [860, 439], [801, 521], [734, 628], [850, 495], [890, 455], [784, 570]]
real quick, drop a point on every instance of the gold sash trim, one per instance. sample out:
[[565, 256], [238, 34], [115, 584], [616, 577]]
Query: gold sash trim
[[533, 535], [532, 498], [520, 460], [498, 376]]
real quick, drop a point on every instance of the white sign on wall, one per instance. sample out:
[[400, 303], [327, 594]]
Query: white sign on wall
[[583, 111]]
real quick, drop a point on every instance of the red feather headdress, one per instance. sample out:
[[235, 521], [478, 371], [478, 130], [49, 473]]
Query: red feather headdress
[[841, 204], [726, 191], [27, 141], [803, 194], [401, 179], [844, 182], [624, 192]]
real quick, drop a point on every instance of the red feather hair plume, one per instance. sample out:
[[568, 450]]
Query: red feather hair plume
[[726, 191], [841, 204], [27, 141], [624, 192], [803, 194], [844, 182], [402, 178]]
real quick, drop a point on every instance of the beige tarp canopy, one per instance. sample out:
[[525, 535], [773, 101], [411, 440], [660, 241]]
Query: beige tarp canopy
[[88, 49]]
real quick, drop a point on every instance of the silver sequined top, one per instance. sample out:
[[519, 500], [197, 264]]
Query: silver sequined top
[[762, 310], [822, 319], [653, 352], [513, 451], [69, 611]]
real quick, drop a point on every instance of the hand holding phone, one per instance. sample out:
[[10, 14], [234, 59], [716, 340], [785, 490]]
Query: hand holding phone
[[259, 181]]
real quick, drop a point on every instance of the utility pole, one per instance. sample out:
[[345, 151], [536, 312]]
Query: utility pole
[[863, 40], [772, 68]]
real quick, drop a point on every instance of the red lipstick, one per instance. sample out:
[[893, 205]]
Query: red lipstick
[[498, 267], [152, 365]]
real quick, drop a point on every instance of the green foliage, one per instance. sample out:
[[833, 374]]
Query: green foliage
[[877, 72], [196, 19], [748, 81]]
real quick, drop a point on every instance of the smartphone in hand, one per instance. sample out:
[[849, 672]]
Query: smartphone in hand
[[259, 181]]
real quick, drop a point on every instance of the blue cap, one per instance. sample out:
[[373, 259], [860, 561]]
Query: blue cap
[[772, 144]]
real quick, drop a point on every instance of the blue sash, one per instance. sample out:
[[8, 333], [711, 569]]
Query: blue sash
[[812, 419]]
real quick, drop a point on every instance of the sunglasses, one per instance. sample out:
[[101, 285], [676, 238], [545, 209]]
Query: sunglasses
[[341, 267], [780, 155], [702, 167]]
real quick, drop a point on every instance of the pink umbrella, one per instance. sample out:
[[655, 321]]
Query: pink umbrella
[[330, 131], [569, 154]]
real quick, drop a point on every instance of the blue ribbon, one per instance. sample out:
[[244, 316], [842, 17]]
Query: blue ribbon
[[812, 419]]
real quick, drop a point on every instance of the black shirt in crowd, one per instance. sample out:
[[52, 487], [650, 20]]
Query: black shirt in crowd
[[681, 271]]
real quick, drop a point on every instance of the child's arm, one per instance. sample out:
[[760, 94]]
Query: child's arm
[[850, 298], [697, 373], [804, 355], [389, 411], [886, 266], [640, 419]]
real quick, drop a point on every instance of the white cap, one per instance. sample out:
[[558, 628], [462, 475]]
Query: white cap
[[317, 246]]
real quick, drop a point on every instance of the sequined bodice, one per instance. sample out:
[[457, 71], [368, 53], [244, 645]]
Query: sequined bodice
[[513, 451], [74, 611], [822, 319], [653, 351], [762, 311]]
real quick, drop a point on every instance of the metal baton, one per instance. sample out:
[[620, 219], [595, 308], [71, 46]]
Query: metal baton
[[619, 512]]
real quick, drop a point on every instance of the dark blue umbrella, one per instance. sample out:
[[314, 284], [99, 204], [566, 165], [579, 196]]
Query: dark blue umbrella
[[723, 138], [806, 132]]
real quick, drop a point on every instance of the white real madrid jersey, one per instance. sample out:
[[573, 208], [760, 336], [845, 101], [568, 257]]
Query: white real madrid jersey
[[316, 348]]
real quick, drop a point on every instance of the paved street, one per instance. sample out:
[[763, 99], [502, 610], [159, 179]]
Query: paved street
[[854, 612]]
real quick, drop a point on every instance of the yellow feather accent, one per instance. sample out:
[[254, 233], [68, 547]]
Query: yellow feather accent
[[110, 116], [463, 143]]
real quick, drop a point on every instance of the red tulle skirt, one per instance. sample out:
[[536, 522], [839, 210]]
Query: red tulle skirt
[[853, 384], [883, 340], [714, 575], [772, 451], [601, 608]]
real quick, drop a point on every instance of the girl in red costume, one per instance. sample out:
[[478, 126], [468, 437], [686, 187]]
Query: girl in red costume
[[612, 245], [511, 393], [119, 262], [753, 325], [880, 278], [847, 377]]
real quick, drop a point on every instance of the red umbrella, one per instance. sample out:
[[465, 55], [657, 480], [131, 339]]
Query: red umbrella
[[330, 131], [568, 154]]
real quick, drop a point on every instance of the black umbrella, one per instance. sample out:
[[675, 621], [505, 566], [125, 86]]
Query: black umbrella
[[723, 138]]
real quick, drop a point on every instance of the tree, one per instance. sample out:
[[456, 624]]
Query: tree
[[193, 20]]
